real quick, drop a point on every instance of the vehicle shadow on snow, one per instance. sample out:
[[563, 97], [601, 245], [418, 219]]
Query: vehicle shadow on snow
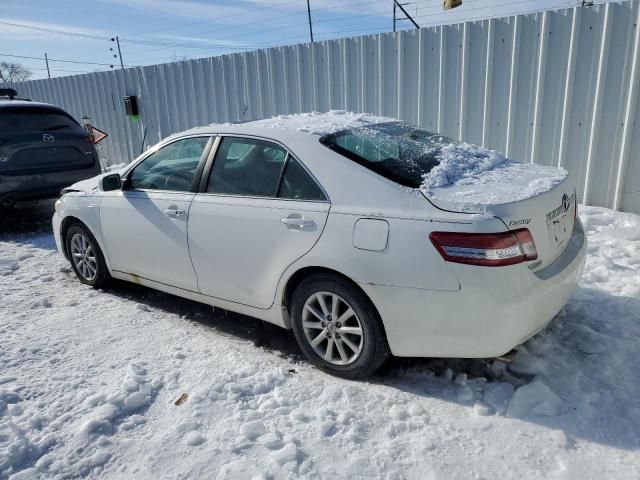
[[28, 222], [578, 375]]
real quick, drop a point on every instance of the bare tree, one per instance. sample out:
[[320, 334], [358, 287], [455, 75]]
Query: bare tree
[[11, 73]]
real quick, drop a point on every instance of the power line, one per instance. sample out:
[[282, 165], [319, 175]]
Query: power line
[[56, 31], [566, 4], [57, 60], [270, 19], [218, 18]]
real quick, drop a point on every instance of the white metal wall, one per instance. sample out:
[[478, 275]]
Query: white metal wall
[[556, 88]]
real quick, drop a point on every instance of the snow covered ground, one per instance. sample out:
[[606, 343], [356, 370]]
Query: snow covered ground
[[89, 382]]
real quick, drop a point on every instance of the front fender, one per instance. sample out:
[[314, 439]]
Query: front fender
[[86, 209]]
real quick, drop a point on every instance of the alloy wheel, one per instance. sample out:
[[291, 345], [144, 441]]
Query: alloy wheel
[[83, 256], [332, 328]]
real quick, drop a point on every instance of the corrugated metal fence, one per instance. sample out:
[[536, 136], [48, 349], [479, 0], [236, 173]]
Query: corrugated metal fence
[[556, 88]]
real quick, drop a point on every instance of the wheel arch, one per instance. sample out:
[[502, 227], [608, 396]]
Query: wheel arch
[[305, 272], [66, 223]]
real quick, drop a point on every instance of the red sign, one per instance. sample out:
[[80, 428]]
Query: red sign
[[97, 135]]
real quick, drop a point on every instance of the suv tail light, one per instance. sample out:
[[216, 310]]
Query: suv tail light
[[486, 249]]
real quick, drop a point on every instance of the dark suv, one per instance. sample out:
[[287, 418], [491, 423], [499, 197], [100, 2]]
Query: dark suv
[[42, 150]]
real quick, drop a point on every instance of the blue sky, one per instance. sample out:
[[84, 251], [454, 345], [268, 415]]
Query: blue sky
[[159, 31]]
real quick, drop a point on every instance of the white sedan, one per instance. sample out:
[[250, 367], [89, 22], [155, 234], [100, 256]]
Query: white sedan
[[368, 236]]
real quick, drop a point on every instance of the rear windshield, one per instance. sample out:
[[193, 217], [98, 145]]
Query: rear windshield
[[29, 119], [396, 150]]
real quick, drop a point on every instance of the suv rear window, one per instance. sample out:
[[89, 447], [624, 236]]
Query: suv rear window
[[29, 119], [396, 150]]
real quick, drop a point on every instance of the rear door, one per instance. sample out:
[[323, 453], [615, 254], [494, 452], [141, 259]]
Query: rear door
[[144, 225], [38, 139], [258, 211]]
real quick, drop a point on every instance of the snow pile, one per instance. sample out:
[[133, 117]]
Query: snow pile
[[472, 179], [321, 123], [131, 383], [460, 161]]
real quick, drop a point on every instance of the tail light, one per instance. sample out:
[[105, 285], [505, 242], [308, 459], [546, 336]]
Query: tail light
[[486, 249]]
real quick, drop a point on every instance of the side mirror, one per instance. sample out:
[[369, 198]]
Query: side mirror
[[111, 182]]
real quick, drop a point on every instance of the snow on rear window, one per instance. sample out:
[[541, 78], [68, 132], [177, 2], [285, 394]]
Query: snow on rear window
[[458, 161]]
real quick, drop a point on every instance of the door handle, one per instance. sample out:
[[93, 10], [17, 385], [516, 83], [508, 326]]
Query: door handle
[[298, 222], [174, 212]]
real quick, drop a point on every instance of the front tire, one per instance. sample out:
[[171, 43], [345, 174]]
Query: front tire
[[337, 327], [86, 257]]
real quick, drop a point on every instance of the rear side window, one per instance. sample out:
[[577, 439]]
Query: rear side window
[[255, 168], [297, 184], [244, 166], [396, 150], [38, 119]]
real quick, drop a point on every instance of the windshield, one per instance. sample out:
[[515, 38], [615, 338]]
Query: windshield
[[396, 150]]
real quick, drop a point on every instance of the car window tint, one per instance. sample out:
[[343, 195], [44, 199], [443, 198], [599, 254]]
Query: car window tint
[[372, 148], [398, 151], [297, 183], [244, 166], [30, 119], [173, 167]]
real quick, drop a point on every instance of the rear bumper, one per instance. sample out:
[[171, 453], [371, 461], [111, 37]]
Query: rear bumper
[[41, 185], [495, 310]]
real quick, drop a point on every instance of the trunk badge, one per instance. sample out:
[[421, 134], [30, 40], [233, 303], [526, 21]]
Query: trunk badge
[[48, 138]]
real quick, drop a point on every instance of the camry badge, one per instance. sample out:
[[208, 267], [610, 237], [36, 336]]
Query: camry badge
[[47, 137]]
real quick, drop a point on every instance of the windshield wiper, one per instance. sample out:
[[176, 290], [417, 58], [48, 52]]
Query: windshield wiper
[[55, 127]]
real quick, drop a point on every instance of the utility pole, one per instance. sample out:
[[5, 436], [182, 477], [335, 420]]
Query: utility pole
[[46, 59], [394, 15], [409, 17], [117, 40], [309, 15]]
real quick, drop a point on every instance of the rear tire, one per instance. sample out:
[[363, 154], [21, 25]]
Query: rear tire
[[86, 257], [337, 327]]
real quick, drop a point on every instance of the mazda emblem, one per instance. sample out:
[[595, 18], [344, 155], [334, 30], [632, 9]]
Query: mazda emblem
[[47, 137]]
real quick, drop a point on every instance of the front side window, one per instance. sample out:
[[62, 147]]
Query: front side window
[[244, 166], [173, 167], [396, 150]]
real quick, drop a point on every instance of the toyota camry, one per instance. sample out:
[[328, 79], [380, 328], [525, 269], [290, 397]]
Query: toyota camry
[[367, 236]]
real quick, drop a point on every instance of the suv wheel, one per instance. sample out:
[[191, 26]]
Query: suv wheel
[[337, 327], [86, 257]]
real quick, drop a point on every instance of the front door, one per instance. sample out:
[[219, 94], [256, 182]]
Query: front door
[[144, 225], [261, 211]]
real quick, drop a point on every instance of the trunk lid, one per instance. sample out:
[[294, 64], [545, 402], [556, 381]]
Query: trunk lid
[[539, 198]]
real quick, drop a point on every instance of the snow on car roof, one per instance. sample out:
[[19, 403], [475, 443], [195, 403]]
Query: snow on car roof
[[321, 123], [281, 127]]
